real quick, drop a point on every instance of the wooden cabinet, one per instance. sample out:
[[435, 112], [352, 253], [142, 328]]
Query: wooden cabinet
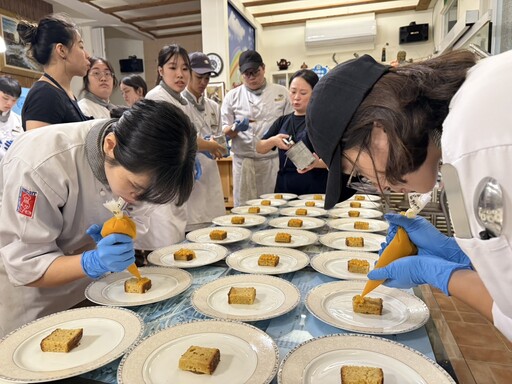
[[282, 77], [226, 178]]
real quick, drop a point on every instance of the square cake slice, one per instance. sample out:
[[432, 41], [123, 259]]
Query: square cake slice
[[135, 285], [61, 340], [253, 210], [295, 223], [301, 211], [218, 234], [358, 266], [354, 242], [184, 254], [367, 305], [283, 237], [353, 213], [359, 197], [309, 203], [361, 225], [200, 360], [266, 202], [353, 374], [237, 220], [241, 295], [355, 204], [268, 260]]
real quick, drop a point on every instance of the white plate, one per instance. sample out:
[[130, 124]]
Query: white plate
[[364, 204], [367, 197], [234, 234], [274, 297], [264, 209], [250, 220], [363, 213], [347, 224], [312, 197], [247, 355], [286, 196], [336, 240], [312, 211], [165, 283], [107, 334], [335, 264], [205, 254], [246, 260], [273, 202], [302, 203], [319, 360], [332, 304], [299, 238], [307, 222]]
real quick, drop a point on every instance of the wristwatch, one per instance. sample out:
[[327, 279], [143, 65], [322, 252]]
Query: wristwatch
[[217, 64]]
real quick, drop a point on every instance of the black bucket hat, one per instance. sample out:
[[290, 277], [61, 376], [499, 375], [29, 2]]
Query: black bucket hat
[[334, 101]]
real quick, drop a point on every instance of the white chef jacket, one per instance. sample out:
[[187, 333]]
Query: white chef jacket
[[90, 108], [207, 199], [265, 108], [49, 196], [477, 141], [13, 125], [168, 221]]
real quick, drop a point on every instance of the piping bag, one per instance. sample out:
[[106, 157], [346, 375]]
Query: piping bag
[[122, 224], [401, 245]]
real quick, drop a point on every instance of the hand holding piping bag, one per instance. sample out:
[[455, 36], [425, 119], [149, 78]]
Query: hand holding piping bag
[[120, 223], [400, 246]]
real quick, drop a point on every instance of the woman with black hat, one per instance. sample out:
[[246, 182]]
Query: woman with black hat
[[393, 126]]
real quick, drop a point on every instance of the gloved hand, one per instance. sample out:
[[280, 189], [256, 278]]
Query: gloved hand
[[114, 253], [242, 125], [95, 232], [426, 237], [411, 271], [198, 170]]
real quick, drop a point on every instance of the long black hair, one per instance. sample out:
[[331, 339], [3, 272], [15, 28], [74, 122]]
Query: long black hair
[[156, 137], [166, 53]]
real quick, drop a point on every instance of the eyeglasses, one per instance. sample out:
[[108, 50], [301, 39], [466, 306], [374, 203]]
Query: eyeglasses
[[249, 74], [99, 74], [359, 182]]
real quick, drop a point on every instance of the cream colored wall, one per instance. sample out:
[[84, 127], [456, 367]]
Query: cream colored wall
[[288, 42]]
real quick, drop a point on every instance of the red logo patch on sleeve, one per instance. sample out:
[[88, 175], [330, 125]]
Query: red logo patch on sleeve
[[26, 202]]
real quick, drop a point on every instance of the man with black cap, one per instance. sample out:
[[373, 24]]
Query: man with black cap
[[207, 199], [248, 112]]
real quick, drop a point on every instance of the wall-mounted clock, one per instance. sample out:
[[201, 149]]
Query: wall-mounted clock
[[217, 63]]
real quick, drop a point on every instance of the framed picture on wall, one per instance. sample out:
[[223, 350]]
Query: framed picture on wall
[[242, 36], [15, 60], [216, 91]]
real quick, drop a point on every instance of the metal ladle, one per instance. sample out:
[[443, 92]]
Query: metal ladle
[[489, 207]]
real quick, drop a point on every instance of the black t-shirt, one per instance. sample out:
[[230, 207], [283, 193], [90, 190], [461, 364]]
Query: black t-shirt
[[288, 180], [51, 105]]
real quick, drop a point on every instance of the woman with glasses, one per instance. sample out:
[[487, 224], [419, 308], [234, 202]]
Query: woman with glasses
[[248, 112], [99, 83], [394, 125], [133, 88], [57, 46], [293, 127]]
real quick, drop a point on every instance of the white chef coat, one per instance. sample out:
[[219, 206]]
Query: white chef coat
[[477, 141], [207, 199], [90, 108], [265, 108], [49, 197], [12, 125], [168, 221]]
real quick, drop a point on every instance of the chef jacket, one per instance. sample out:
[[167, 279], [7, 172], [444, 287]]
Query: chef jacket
[[477, 141], [207, 199], [52, 188], [12, 125], [264, 109], [90, 108]]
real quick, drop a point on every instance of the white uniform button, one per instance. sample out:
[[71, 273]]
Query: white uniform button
[[102, 193]]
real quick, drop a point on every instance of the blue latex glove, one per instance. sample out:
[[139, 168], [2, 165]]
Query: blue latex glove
[[426, 237], [411, 271], [114, 253], [95, 232], [198, 170], [242, 125]]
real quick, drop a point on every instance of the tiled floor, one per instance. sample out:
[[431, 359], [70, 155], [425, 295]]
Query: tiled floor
[[477, 351]]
